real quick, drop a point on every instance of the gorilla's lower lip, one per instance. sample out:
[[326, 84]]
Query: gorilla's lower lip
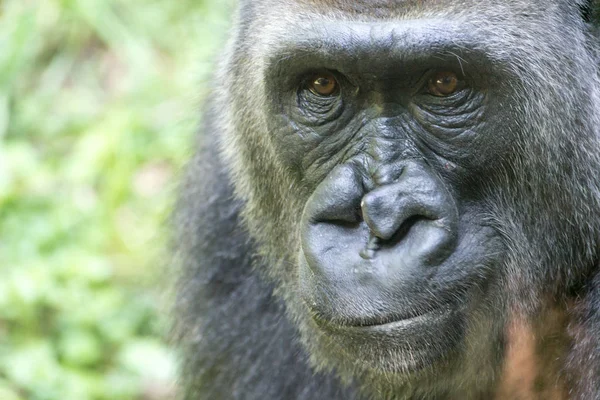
[[429, 317], [403, 323]]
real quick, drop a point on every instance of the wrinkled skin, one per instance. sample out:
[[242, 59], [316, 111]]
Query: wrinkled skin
[[387, 240]]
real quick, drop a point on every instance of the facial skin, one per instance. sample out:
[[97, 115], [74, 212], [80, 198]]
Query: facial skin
[[420, 179]]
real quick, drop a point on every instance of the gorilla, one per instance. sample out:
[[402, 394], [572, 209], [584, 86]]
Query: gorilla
[[395, 199]]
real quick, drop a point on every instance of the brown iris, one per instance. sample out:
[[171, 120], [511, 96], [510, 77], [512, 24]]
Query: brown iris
[[443, 84], [323, 84]]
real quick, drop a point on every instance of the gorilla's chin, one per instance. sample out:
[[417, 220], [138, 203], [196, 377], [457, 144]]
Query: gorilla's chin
[[402, 346]]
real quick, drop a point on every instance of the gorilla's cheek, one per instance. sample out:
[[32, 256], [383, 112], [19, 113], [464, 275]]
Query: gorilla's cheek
[[390, 273]]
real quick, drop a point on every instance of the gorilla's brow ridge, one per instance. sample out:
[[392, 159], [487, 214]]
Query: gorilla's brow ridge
[[406, 42]]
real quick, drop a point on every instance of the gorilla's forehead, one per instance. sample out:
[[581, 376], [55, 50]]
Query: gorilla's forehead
[[371, 46], [491, 26]]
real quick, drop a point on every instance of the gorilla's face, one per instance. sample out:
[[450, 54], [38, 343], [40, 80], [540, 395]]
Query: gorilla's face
[[394, 136], [420, 169]]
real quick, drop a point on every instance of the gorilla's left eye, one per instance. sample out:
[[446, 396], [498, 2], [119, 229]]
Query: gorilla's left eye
[[444, 84], [323, 84]]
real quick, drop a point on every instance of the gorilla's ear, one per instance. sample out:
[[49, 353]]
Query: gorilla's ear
[[590, 11]]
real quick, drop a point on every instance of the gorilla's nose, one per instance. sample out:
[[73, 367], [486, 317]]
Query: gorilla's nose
[[411, 220], [416, 198]]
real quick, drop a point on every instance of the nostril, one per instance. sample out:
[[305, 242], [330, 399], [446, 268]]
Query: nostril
[[346, 217], [376, 242], [402, 231]]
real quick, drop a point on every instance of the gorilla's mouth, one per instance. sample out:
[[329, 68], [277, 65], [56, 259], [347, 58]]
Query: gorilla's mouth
[[416, 342], [386, 325]]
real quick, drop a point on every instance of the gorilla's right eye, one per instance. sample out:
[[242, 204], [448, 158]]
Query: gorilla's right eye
[[323, 84]]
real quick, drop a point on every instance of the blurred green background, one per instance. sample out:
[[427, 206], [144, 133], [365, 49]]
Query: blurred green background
[[99, 101]]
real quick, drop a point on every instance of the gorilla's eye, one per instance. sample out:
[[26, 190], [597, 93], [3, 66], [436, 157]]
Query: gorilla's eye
[[443, 84], [323, 84]]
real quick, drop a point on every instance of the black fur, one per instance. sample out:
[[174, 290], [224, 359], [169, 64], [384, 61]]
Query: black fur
[[235, 332], [241, 322]]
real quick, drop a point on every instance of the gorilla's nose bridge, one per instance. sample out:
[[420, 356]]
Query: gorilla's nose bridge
[[387, 149]]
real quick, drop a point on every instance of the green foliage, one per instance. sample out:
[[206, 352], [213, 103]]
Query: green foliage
[[98, 103]]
